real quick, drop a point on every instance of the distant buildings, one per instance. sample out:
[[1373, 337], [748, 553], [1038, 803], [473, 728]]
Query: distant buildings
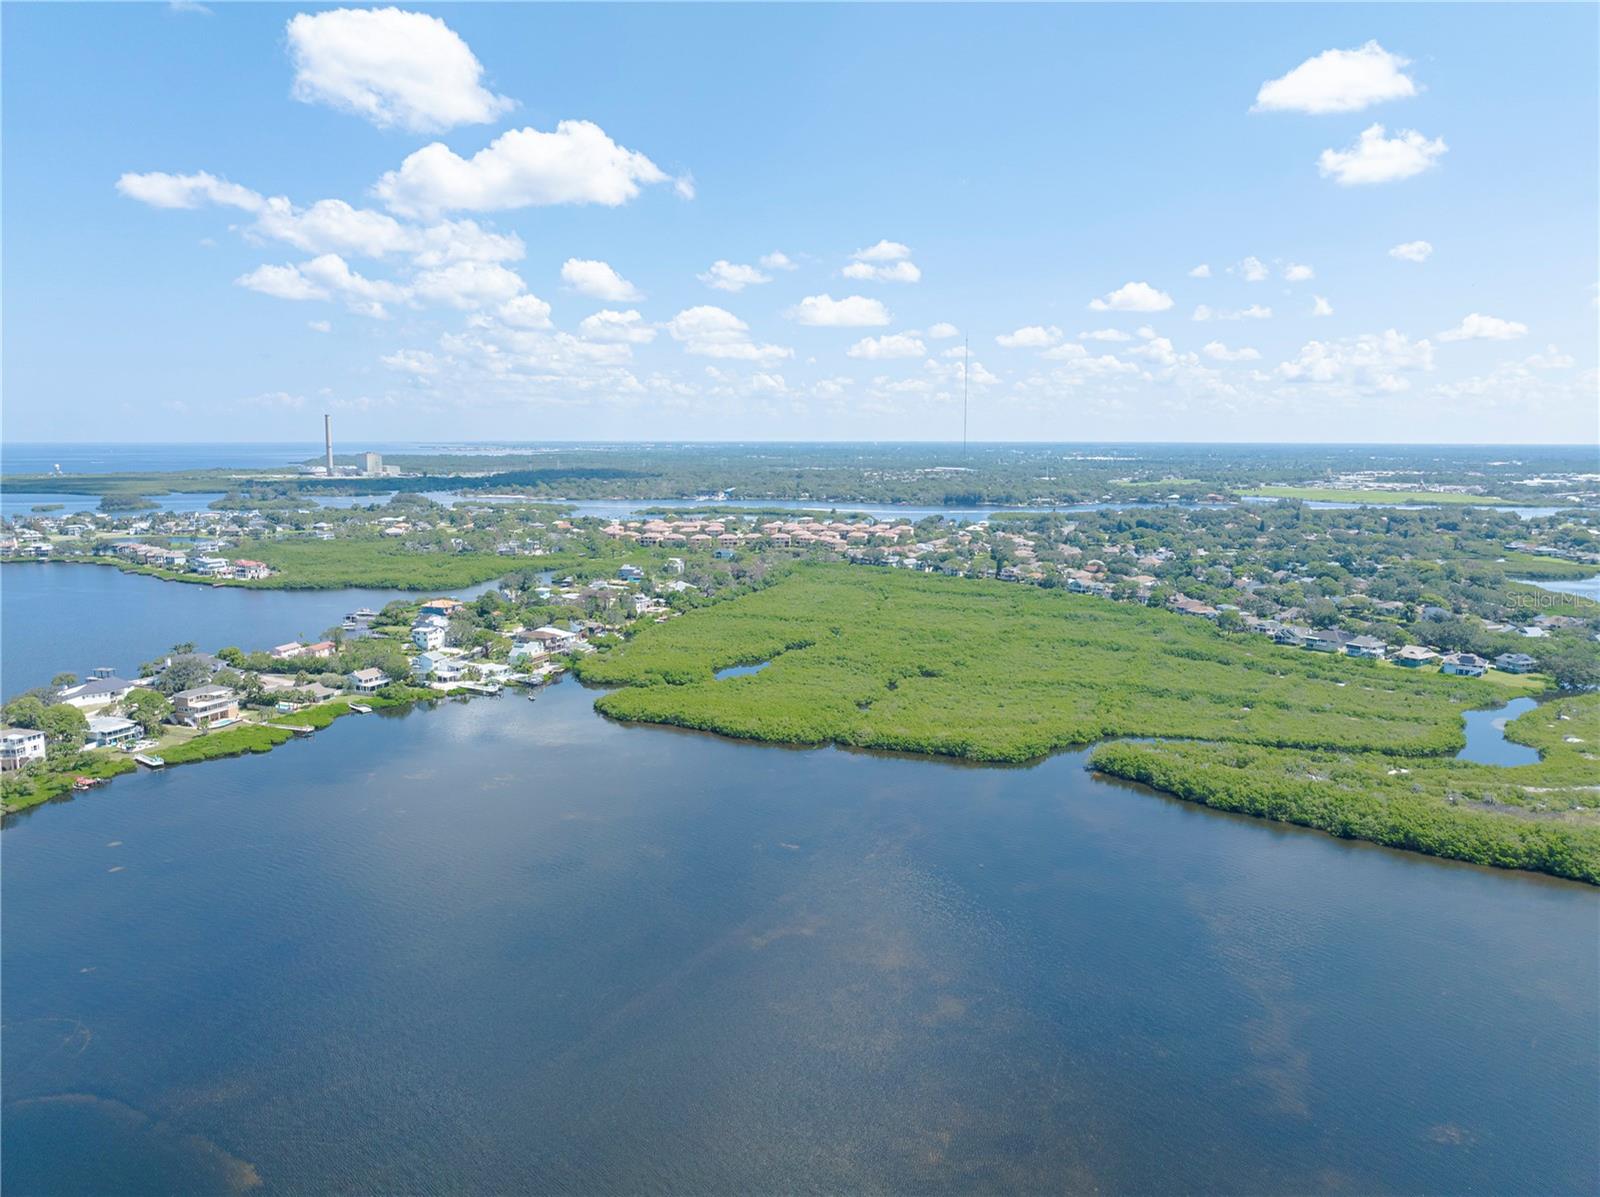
[[372, 464]]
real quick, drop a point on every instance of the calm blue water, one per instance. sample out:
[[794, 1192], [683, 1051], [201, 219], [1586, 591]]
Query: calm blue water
[[513, 947], [1486, 736], [1588, 588], [742, 670], [73, 618], [21, 504]]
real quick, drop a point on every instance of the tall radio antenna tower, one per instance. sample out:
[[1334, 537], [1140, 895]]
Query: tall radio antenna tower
[[966, 353]]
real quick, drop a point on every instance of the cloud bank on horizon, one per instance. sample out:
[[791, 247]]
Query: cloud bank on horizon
[[459, 285]]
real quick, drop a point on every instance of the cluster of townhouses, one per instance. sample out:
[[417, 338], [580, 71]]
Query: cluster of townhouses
[[205, 565], [725, 536]]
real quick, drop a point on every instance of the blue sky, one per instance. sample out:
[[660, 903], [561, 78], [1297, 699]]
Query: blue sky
[[215, 227]]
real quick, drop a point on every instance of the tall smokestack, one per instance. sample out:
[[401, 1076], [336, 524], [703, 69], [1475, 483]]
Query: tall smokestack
[[327, 436]]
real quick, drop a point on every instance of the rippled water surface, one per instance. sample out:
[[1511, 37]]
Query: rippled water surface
[[512, 946]]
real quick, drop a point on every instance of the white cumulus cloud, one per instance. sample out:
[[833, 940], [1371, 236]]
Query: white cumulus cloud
[[576, 164], [891, 345], [1033, 336], [1477, 327], [1252, 270], [1320, 306], [525, 311], [1254, 312], [1412, 251], [853, 311], [1339, 81], [715, 332], [1133, 297], [943, 331], [467, 284], [625, 327], [1297, 272], [778, 260], [598, 281], [1201, 271], [161, 190], [1375, 158], [1372, 362], [885, 262], [1219, 352], [732, 276], [393, 68], [1105, 334]]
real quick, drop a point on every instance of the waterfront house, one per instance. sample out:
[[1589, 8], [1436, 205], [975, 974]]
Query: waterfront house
[[1464, 665], [1365, 646], [554, 640], [443, 607], [99, 692], [439, 667], [1515, 663], [366, 681], [20, 746], [322, 650], [204, 706], [428, 636], [1414, 655], [108, 731], [527, 653], [251, 570], [284, 652], [209, 566]]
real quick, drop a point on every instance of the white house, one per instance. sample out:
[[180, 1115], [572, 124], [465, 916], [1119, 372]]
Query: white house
[[99, 692], [440, 667], [367, 681], [428, 636], [553, 639], [108, 731], [20, 746]]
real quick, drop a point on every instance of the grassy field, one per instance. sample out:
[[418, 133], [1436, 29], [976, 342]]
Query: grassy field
[[991, 671], [1388, 498]]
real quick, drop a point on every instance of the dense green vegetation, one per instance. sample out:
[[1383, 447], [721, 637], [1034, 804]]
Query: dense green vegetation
[[995, 672], [1542, 817], [1001, 672], [333, 565], [42, 783]]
